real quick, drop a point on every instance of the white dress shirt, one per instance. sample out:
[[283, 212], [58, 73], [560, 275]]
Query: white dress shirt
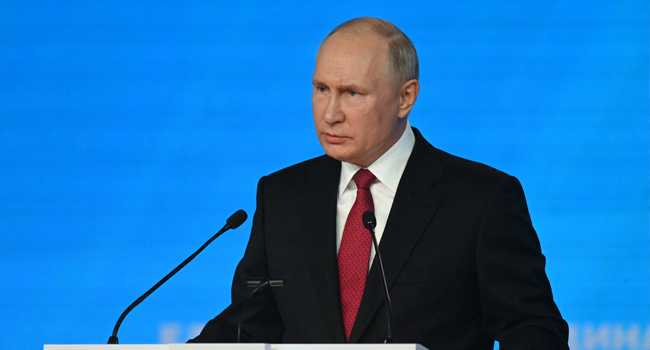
[[388, 170]]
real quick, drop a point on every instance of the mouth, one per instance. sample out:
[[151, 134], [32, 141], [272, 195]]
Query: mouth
[[333, 138]]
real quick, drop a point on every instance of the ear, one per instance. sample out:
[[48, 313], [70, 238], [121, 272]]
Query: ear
[[407, 97]]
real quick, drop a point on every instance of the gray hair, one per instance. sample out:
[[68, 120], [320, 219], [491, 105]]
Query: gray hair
[[402, 62]]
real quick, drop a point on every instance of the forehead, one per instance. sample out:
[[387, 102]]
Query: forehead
[[346, 56]]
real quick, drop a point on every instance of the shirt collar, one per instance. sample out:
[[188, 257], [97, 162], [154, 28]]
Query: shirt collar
[[388, 168]]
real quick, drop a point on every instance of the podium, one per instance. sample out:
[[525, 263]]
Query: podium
[[256, 346]]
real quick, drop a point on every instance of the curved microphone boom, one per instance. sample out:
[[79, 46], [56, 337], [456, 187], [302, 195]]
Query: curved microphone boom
[[260, 284], [234, 221], [370, 222]]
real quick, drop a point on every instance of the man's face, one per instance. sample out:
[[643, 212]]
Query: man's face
[[356, 110]]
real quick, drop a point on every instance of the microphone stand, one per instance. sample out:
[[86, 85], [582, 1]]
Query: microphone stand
[[370, 222], [234, 221], [260, 284]]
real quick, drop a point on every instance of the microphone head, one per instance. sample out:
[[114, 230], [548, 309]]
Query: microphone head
[[236, 219], [369, 220]]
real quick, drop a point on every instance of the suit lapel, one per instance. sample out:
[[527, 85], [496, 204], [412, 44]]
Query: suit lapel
[[319, 227], [414, 205]]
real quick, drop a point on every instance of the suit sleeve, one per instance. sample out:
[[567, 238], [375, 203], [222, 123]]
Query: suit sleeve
[[261, 321], [516, 299]]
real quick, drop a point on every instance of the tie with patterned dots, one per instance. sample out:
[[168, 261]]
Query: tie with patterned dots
[[354, 253]]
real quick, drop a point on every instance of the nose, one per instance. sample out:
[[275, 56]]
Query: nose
[[333, 113]]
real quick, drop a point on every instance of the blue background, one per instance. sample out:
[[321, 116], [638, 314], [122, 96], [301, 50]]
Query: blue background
[[129, 132]]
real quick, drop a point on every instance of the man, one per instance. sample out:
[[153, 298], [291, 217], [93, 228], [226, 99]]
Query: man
[[463, 263]]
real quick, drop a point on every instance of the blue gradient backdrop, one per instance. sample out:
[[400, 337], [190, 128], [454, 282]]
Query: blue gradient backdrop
[[129, 132]]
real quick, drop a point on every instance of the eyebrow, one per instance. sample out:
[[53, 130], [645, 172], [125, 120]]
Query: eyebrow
[[349, 87], [345, 87]]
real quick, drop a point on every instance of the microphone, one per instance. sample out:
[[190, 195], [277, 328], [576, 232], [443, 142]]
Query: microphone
[[234, 221], [370, 222]]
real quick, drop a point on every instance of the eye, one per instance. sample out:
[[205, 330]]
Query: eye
[[353, 93], [321, 89]]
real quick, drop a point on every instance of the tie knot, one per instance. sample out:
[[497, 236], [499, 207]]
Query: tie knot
[[364, 178]]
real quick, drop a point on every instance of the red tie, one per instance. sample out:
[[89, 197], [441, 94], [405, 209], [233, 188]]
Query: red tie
[[354, 253]]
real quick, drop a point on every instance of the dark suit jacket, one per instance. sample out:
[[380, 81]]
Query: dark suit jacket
[[463, 263]]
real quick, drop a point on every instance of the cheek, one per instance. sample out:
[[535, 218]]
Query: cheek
[[367, 118], [318, 107]]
